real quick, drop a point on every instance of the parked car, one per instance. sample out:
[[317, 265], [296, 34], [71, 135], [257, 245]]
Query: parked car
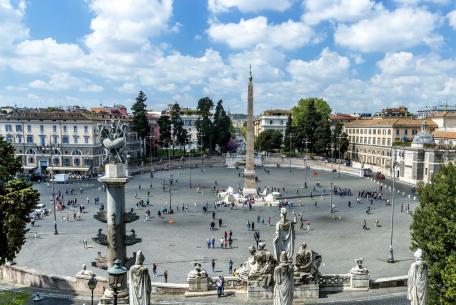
[[380, 176], [367, 172]]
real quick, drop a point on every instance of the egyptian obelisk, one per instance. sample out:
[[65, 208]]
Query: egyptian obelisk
[[249, 172]]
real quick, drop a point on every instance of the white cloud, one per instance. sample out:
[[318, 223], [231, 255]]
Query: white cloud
[[65, 81], [338, 10], [11, 28], [417, 2], [390, 30], [330, 66], [250, 32], [123, 26], [452, 19], [245, 6]]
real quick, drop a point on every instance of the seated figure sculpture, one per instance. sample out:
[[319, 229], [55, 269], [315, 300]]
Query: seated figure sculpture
[[197, 273], [263, 266], [244, 270], [307, 264]]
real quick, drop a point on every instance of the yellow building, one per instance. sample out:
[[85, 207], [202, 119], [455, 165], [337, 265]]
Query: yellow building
[[371, 140]]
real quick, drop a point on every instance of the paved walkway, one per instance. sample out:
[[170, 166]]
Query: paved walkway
[[174, 247]]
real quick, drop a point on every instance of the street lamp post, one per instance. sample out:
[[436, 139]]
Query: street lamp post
[[331, 210], [170, 183], [152, 143], [306, 141], [92, 283], [289, 154], [391, 251], [116, 277], [52, 147], [190, 165]]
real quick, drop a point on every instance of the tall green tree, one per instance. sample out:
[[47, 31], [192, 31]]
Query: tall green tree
[[204, 125], [269, 140], [222, 127], [322, 144], [165, 131], [339, 140], [289, 139], [140, 122], [433, 229], [179, 133], [17, 200]]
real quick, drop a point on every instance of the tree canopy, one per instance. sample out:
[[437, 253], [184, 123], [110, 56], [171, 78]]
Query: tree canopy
[[165, 131], [17, 200], [140, 122], [204, 125], [179, 133], [222, 127], [433, 229], [268, 140]]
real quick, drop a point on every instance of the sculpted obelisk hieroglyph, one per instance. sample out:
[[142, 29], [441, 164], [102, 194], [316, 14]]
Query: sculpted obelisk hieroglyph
[[249, 172]]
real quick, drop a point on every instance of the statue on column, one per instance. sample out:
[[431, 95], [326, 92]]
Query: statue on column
[[283, 278], [140, 287], [417, 280], [284, 235]]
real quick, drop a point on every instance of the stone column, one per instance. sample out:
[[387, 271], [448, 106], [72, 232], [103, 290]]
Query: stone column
[[115, 180], [249, 172]]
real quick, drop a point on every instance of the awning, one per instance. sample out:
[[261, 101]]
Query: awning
[[67, 168], [29, 167]]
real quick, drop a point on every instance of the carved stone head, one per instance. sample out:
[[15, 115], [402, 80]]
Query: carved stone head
[[283, 257], [418, 254], [139, 258]]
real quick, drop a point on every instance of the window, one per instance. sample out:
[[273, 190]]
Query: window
[[66, 162], [55, 139], [18, 128], [405, 131], [75, 139], [29, 128], [64, 128], [397, 132], [9, 138], [270, 122], [86, 129], [29, 139], [389, 132], [8, 128], [41, 128], [375, 130], [42, 140], [54, 128], [414, 132], [19, 139], [31, 160], [76, 152], [86, 140], [64, 139], [75, 128], [389, 142], [77, 162], [56, 161]]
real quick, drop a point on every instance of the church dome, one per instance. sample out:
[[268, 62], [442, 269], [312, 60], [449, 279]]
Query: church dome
[[423, 137]]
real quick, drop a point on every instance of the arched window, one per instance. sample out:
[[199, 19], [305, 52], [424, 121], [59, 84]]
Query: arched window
[[30, 151], [76, 152]]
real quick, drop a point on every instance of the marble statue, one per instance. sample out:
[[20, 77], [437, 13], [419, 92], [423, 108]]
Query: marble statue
[[247, 266], [197, 273], [113, 137], [285, 235], [263, 266], [417, 280], [307, 264], [140, 286], [284, 284], [359, 268], [85, 272]]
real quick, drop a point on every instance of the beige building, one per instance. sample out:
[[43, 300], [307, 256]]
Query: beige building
[[272, 120], [68, 141], [371, 140]]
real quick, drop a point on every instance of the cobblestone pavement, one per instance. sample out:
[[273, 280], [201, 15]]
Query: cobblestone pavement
[[174, 247]]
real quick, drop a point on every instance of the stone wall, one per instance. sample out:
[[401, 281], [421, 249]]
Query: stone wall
[[32, 278]]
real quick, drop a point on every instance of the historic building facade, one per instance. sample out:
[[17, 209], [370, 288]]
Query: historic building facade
[[67, 141], [272, 119], [372, 140]]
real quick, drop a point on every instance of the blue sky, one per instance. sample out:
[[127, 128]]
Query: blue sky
[[359, 55]]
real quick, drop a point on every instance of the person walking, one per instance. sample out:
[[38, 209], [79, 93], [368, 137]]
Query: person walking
[[154, 269], [213, 242], [253, 226], [364, 224], [230, 267], [220, 222], [213, 265], [219, 287], [308, 226]]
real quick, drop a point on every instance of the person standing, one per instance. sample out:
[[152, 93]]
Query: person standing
[[165, 275], [154, 269], [213, 265], [230, 267]]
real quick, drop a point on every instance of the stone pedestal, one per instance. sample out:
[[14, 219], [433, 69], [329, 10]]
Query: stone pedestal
[[359, 281], [255, 291], [310, 291], [198, 285], [108, 297], [249, 182]]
